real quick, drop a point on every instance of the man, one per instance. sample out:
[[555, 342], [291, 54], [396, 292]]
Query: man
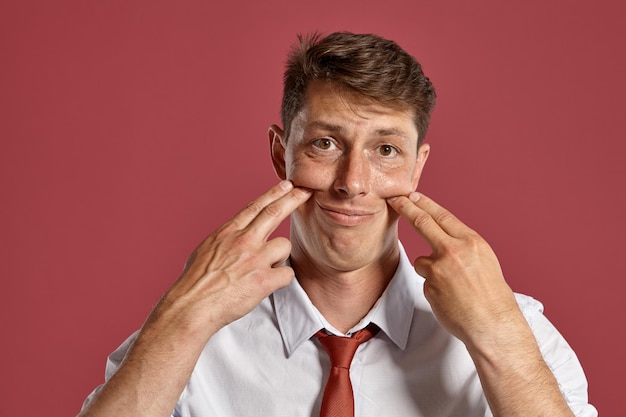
[[237, 335]]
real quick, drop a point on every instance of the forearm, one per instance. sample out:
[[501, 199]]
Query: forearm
[[152, 375], [137, 391], [515, 379]]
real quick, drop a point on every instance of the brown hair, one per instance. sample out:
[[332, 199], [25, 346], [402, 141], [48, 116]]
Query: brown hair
[[366, 64]]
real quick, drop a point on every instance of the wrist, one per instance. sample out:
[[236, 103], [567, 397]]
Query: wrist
[[508, 337]]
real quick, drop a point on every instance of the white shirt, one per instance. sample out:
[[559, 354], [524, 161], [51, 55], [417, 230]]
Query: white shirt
[[269, 364]]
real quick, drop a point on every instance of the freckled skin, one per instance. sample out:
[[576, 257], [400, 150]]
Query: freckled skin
[[353, 154]]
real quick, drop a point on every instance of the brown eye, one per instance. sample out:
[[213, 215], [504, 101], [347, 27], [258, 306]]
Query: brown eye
[[324, 143], [386, 150]]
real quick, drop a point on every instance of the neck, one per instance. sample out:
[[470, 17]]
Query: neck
[[344, 297]]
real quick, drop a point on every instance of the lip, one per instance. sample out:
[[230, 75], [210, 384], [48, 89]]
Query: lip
[[346, 216]]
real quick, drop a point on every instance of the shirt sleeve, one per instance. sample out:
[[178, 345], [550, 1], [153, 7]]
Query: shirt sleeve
[[113, 362], [559, 357]]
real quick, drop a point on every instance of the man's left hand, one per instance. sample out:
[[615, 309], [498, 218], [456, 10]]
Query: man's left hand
[[464, 282]]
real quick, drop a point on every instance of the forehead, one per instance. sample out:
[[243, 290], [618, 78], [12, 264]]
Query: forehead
[[328, 104]]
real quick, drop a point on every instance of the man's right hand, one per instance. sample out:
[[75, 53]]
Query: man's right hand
[[235, 267], [225, 277]]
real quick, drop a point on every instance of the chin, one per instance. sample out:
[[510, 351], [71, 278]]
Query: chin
[[340, 262], [354, 252]]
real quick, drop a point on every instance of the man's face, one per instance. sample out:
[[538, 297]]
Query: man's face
[[354, 154]]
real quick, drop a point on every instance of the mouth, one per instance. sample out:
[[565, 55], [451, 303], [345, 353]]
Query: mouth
[[346, 216]]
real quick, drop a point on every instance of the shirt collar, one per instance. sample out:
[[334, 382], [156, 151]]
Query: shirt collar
[[298, 319]]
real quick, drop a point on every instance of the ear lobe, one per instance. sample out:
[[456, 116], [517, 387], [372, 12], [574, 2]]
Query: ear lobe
[[422, 157], [277, 150]]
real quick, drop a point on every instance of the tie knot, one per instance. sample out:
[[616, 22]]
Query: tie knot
[[340, 349], [338, 400]]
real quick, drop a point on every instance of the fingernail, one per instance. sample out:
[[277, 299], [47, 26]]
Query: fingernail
[[392, 198], [414, 196], [286, 185]]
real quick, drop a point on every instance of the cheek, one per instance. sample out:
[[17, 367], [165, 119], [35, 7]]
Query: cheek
[[392, 185], [306, 174]]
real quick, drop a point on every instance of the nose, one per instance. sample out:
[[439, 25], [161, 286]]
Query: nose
[[353, 174]]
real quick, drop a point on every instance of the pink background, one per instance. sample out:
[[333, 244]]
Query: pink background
[[129, 130]]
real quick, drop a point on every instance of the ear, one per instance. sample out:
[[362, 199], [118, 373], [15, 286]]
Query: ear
[[422, 156], [277, 150]]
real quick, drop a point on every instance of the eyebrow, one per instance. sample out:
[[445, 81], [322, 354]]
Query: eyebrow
[[324, 126], [391, 132], [329, 127]]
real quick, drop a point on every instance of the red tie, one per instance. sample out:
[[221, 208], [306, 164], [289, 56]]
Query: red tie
[[338, 399]]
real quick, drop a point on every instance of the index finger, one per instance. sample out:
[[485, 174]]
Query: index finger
[[253, 208], [421, 220], [270, 217], [444, 218]]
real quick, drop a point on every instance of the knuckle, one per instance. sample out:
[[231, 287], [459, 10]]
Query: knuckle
[[420, 220], [191, 260], [449, 247], [242, 240], [254, 207], [444, 217], [296, 195], [474, 240], [263, 282], [437, 269], [453, 251], [283, 244], [475, 243], [222, 238], [273, 210], [219, 235]]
